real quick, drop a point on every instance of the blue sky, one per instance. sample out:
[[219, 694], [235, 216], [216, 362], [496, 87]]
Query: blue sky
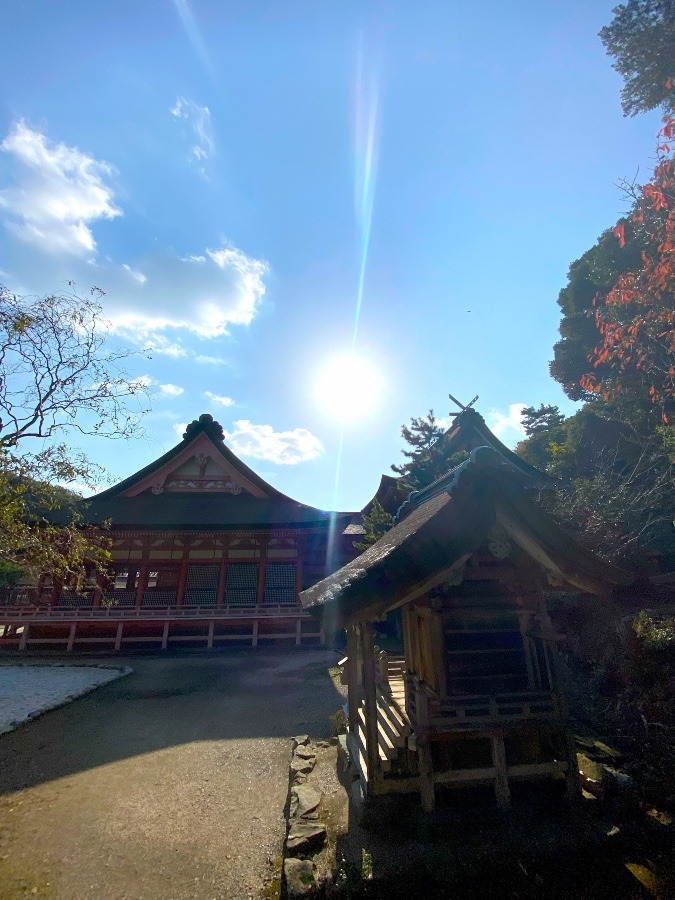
[[392, 190]]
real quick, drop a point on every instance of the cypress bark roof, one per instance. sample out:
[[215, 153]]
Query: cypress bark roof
[[201, 483], [441, 527]]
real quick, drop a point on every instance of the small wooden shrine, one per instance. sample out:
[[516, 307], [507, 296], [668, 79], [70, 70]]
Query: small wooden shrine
[[204, 551], [474, 698]]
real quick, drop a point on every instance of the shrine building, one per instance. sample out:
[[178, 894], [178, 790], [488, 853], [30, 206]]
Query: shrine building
[[204, 552]]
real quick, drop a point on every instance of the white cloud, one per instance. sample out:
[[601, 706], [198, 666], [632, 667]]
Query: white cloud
[[166, 390], [219, 398], [179, 429], [58, 192], [198, 119], [202, 294], [287, 448], [512, 421], [210, 360], [171, 390], [157, 343]]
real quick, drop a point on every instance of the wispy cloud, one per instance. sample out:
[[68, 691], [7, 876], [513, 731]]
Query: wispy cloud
[[286, 448], [189, 23], [204, 360], [198, 120], [219, 399], [57, 192], [509, 424]]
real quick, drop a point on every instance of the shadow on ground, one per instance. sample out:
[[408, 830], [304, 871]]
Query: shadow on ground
[[538, 849], [171, 699]]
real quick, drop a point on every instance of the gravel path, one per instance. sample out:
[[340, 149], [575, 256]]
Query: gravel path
[[169, 783]]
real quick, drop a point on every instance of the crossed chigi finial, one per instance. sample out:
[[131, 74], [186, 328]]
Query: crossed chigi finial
[[462, 407]]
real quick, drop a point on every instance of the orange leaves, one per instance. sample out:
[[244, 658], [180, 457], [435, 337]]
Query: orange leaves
[[620, 232]]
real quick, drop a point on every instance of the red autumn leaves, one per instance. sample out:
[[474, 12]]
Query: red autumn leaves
[[636, 318]]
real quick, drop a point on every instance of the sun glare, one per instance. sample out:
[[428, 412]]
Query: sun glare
[[349, 388]]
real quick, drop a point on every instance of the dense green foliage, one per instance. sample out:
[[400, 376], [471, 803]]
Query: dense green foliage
[[428, 457], [641, 38], [616, 474], [377, 522], [592, 275]]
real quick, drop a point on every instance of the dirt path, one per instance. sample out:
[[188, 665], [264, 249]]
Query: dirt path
[[169, 783]]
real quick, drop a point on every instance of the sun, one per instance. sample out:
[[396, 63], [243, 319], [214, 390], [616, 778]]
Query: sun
[[349, 388]]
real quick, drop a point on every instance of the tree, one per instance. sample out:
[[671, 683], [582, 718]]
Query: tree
[[57, 375], [428, 458], [641, 38], [544, 430], [617, 478], [377, 522], [635, 318]]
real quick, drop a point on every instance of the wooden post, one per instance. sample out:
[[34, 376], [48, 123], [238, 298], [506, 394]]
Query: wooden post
[[165, 635], [424, 758], [118, 637], [370, 698], [182, 575], [209, 641], [298, 632], [254, 636], [24, 636], [222, 581], [384, 669], [572, 779], [299, 549], [71, 637], [352, 677], [56, 590], [502, 791], [262, 564]]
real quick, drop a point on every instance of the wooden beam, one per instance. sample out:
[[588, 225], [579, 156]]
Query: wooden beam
[[71, 637], [502, 792], [165, 635], [352, 677], [370, 703], [118, 637]]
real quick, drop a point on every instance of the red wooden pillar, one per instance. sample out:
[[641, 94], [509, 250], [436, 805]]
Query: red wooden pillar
[[57, 584], [142, 573], [222, 581], [260, 596], [299, 554], [182, 575]]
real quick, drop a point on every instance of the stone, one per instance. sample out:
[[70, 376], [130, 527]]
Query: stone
[[305, 752], [323, 744], [301, 765], [305, 837], [592, 774], [299, 875], [304, 801], [300, 739], [299, 778]]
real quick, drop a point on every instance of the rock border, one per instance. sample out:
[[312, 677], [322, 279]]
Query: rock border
[[306, 835]]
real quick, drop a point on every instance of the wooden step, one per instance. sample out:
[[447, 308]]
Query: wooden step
[[385, 764], [391, 727]]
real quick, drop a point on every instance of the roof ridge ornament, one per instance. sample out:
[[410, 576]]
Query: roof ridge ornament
[[462, 407], [208, 425]]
